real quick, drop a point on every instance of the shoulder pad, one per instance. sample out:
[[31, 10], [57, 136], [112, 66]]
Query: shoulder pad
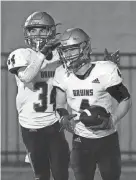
[[106, 66]]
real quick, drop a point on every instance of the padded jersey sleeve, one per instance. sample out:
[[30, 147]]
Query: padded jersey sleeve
[[60, 78], [17, 59], [25, 63], [111, 75]]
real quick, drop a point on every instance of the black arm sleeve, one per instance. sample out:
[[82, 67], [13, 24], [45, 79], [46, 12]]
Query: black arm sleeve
[[118, 92], [62, 111]]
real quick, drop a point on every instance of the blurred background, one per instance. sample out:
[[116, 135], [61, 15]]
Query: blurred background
[[110, 24]]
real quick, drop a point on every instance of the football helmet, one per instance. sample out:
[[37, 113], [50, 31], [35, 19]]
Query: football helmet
[[75, 49], [41, 20]]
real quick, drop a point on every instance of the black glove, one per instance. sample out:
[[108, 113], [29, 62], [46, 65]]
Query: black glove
[[96, 118], [115, 57], [48, 48]]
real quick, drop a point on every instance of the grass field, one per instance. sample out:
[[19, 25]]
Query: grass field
[[128, 173]]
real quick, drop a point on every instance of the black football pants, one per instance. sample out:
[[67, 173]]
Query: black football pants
[[104, 152], [48, 150]]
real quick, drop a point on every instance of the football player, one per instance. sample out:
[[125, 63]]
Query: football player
[[89, 87], [34, 68]]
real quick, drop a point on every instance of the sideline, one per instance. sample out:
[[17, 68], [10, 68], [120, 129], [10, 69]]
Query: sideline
[[128, 169]]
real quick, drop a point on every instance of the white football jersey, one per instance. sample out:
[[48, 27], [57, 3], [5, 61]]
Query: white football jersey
[[91, 90], [35, 100]]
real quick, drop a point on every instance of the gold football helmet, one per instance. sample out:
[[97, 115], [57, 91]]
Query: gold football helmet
[[39, 20], [75, 49]]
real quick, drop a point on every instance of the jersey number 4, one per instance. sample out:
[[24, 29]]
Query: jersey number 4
[[43, 97], [84, 104]]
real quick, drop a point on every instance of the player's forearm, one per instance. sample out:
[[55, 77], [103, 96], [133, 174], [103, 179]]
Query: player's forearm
[[32, 70], [121, 110]]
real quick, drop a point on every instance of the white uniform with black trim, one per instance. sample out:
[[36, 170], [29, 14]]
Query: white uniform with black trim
[[34, 100], [91, 90]]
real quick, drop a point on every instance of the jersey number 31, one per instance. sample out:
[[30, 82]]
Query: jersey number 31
[[43, 97]]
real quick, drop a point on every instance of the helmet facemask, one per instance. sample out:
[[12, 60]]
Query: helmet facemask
[[37, 42], [73, 57]]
